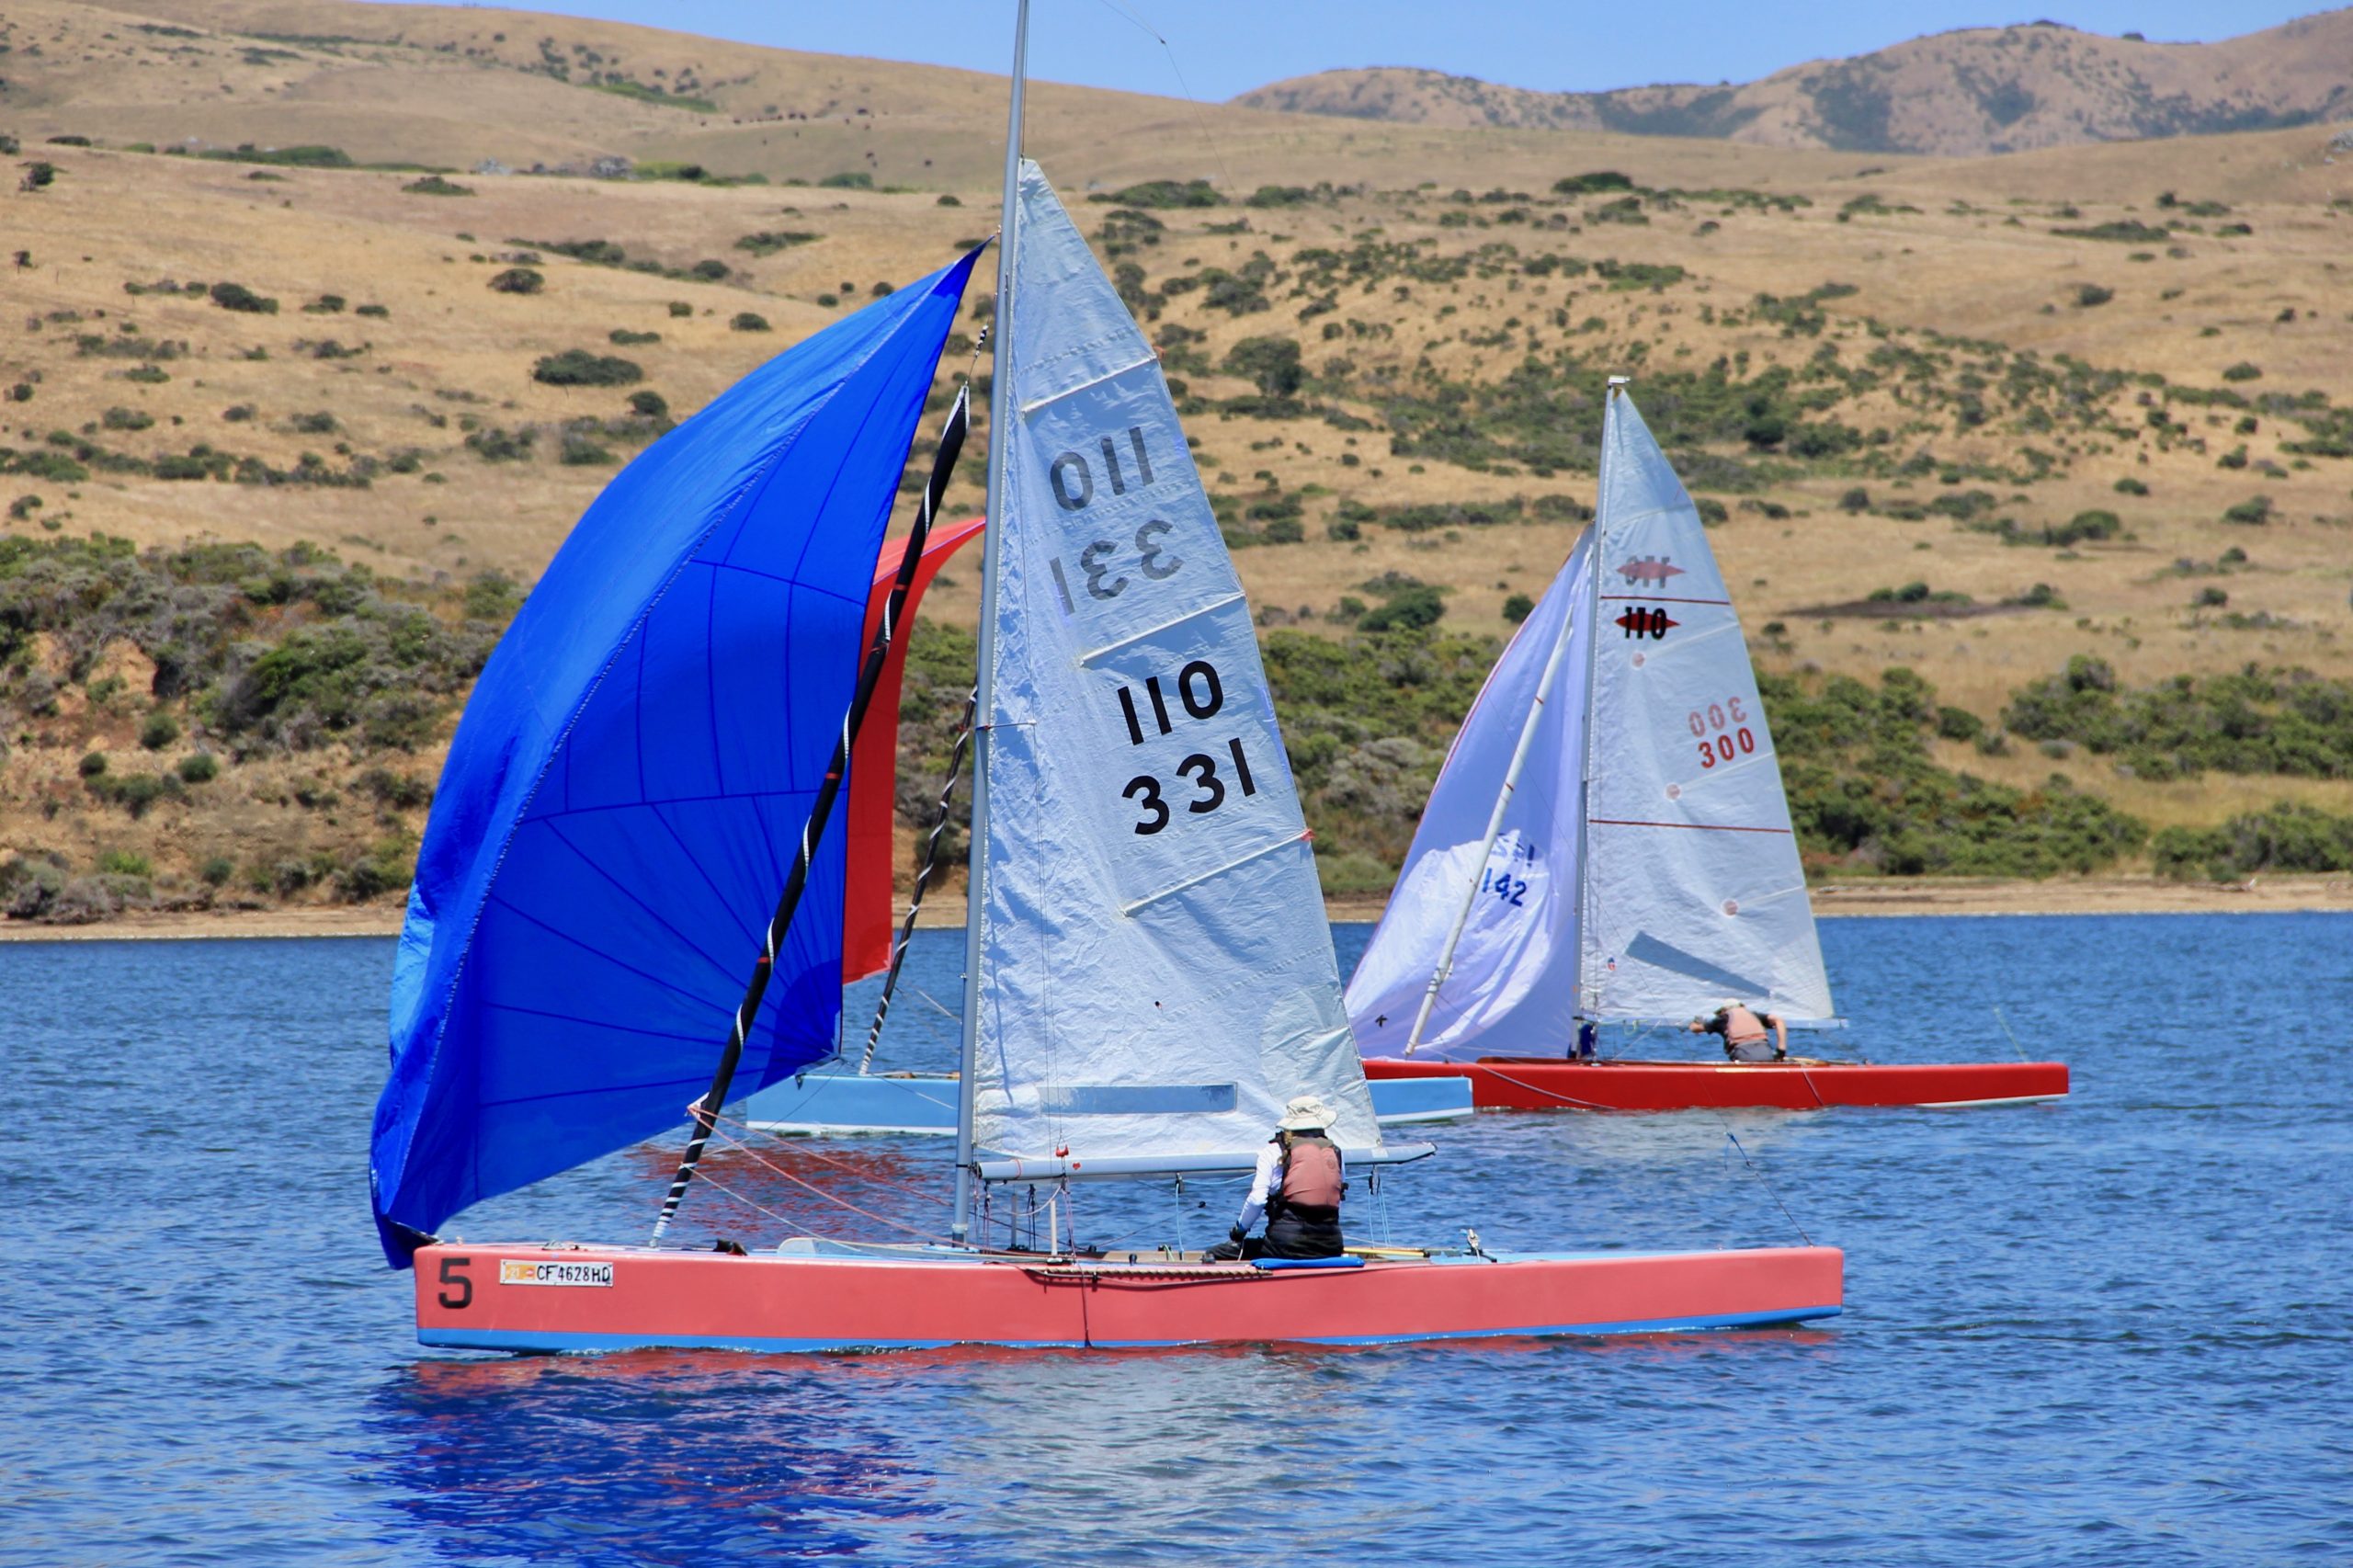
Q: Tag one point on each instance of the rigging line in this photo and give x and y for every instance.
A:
(794, 1226)
(923, 879)
(728, 1141)
(2012, 1033)
(936, 1002)
(1767, 1185)
(826, 1159)
(1539, 1089)
(1217, 148)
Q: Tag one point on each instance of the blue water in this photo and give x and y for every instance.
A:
(2116, 1331)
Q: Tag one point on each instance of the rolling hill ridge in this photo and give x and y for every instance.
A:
(1977, 91)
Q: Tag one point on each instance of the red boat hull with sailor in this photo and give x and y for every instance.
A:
(1548, 1082)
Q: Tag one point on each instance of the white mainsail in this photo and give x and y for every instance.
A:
(1156, 976)
(1693, 890)
(1513, 982)
(1645, 868)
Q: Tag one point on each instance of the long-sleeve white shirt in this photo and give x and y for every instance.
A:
(1269, 1179)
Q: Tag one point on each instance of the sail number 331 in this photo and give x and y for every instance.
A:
(1201, 694)
(1722, 729)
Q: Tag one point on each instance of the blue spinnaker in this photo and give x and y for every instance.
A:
(633, 771)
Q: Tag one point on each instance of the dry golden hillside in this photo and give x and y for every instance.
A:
(1923, 372)
(1971, 91)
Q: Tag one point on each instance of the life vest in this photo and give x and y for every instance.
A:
(1312, 1174)
(1743, 1027)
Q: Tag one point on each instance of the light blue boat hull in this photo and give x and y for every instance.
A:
(835, 1101)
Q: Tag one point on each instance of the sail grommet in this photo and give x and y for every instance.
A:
(1638, 661)
(1674, 791)
(1732, 906)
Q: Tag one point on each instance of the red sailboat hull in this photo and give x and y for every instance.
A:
(535, 1296)
(1548, 1082)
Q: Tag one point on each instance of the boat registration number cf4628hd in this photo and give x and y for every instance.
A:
(533, 1271)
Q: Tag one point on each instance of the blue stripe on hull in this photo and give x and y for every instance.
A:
(500, 1339)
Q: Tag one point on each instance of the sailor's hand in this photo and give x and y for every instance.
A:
(1237, 1235)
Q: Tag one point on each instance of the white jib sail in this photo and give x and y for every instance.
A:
(1156, 975)
(1693, 890)
(1513, 985)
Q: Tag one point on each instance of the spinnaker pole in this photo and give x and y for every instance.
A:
(1570, 624)
(812, 832)
(1001, 418)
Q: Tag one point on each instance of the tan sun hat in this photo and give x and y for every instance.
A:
(1305, 1114)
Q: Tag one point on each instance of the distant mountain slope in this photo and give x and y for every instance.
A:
(1958, 94)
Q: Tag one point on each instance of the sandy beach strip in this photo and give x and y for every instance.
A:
(1875, 896)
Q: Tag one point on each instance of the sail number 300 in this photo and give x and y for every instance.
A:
(1722, 731)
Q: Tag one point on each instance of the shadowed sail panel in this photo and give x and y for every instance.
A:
(1157, 976)
(624, 794)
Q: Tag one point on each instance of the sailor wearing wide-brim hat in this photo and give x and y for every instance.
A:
(1298, 1186)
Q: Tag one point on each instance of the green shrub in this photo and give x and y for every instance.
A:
(93, 764)
(2253, 511)
(623, 337)
(1166, 193)
(1410, 609)
(649, 404)
(579, 367)
(2090, 294)
(434, 185)
(748, 320)
(854, 179)
(496, 445)
(160, 731)
(1856, 500)
(2286, 837)
(199, 768)
(579, 450)
(681, 307)
(518, 280)
(2242, 372)
(1269, 363)
(237, 297)
(768, 242)
(1518, 607)
(124, 863)
(216, 870)
(2127, 485)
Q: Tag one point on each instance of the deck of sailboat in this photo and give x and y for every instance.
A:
(831, 1296)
